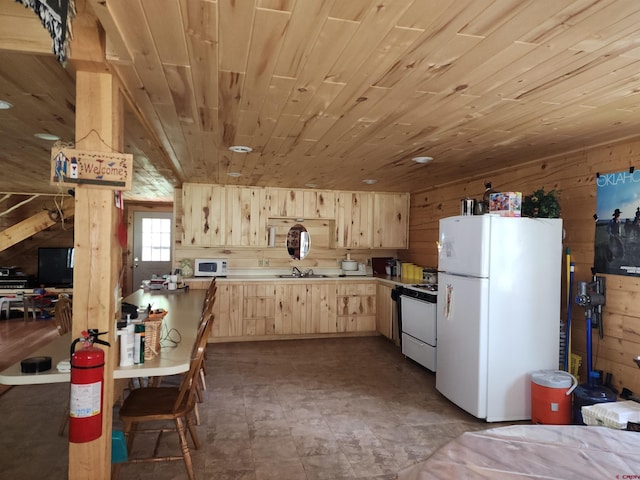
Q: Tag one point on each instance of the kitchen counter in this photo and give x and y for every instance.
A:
(384, 279)
(183, 316)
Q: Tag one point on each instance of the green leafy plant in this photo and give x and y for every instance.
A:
(542, 205)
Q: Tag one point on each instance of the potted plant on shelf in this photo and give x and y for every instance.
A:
(541, 204)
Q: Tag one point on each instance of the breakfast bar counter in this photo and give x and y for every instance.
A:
(178, 334)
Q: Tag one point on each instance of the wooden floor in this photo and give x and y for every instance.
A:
(18, 338)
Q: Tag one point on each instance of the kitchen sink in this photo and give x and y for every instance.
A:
(311, 275)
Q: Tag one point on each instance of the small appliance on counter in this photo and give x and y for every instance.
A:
(360, 269)
(380, 265)
(210, 267)
(352, 267)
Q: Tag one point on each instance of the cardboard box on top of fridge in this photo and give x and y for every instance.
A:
(506, 204)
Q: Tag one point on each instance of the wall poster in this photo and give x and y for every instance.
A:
(617, 239)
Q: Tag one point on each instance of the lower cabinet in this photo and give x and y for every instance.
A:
(273, 309)
(228, 311)
(356, 307)
(291, 309)
(259, 310)
(385, 307)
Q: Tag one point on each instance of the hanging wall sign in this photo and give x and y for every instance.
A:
(617, 239)
(71, 167)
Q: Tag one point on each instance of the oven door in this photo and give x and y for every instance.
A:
(419, 319)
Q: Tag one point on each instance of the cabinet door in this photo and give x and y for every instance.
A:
(390, 220)
(384, 310)
(356, 307)
(291, 308)
(300, 203)
(203, 215)
(286, 202)
(259, 305)
(319, 204)
(228, 311)
(354, 216)
(246, 216)
(321, 308)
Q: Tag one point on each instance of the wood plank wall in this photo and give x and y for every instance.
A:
(574, 175)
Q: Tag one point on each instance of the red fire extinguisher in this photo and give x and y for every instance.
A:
(87, 373)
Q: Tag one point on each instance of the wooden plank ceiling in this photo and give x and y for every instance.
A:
(333, 92)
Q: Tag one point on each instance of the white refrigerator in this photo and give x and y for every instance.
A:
(498, 311)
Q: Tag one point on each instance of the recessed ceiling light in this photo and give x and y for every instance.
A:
(46, 136)
(311, 185)
(5, 105)
(369, 181)
(234, 174)
(422, 159)
(240, 149)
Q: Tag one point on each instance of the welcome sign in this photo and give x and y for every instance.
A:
(71, 167)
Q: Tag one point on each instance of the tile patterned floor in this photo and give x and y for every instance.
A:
(350, 408)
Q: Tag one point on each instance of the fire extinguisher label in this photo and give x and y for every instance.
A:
(85, 400)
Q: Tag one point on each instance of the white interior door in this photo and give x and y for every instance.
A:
(151, 245)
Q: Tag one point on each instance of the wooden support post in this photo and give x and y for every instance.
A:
(98, 256)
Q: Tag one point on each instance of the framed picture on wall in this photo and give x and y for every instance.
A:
(617, 238)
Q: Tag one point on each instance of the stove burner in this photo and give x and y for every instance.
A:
(431, 287)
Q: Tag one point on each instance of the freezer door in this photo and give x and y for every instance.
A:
(463, 245)
(462, 325)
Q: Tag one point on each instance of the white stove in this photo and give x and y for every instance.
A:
(418, 323)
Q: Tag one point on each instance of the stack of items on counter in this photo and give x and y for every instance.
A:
(139, 337)
(165, 282)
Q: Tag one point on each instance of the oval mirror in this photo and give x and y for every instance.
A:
(298, 242)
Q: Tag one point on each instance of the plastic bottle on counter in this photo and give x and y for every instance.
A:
(138, 352)
(127, 341)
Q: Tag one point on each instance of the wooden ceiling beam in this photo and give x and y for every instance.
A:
(34, 224)
(22, 31)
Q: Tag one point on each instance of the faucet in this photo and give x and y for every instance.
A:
(296, 272)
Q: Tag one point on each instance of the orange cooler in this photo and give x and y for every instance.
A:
(551, 397)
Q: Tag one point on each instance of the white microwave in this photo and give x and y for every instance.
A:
(210, 267)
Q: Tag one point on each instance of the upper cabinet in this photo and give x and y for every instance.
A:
(292, 203)
(203, 217)
(246, 216)
(390, 220)
(215, 215)
(354, 219)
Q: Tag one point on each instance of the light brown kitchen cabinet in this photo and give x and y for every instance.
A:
(215, 215)
(203, 215)
(228, 311)
(354, 219)
(301, 203)
(356, 307)
(246, 216)
(291, 308)
(390, 220)
(259, 309)
(321, 311)
(263, 310)
(385, 308)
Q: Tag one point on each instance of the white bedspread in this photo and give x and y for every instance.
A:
(534, 451)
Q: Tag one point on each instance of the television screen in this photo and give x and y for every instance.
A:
(55, 266)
